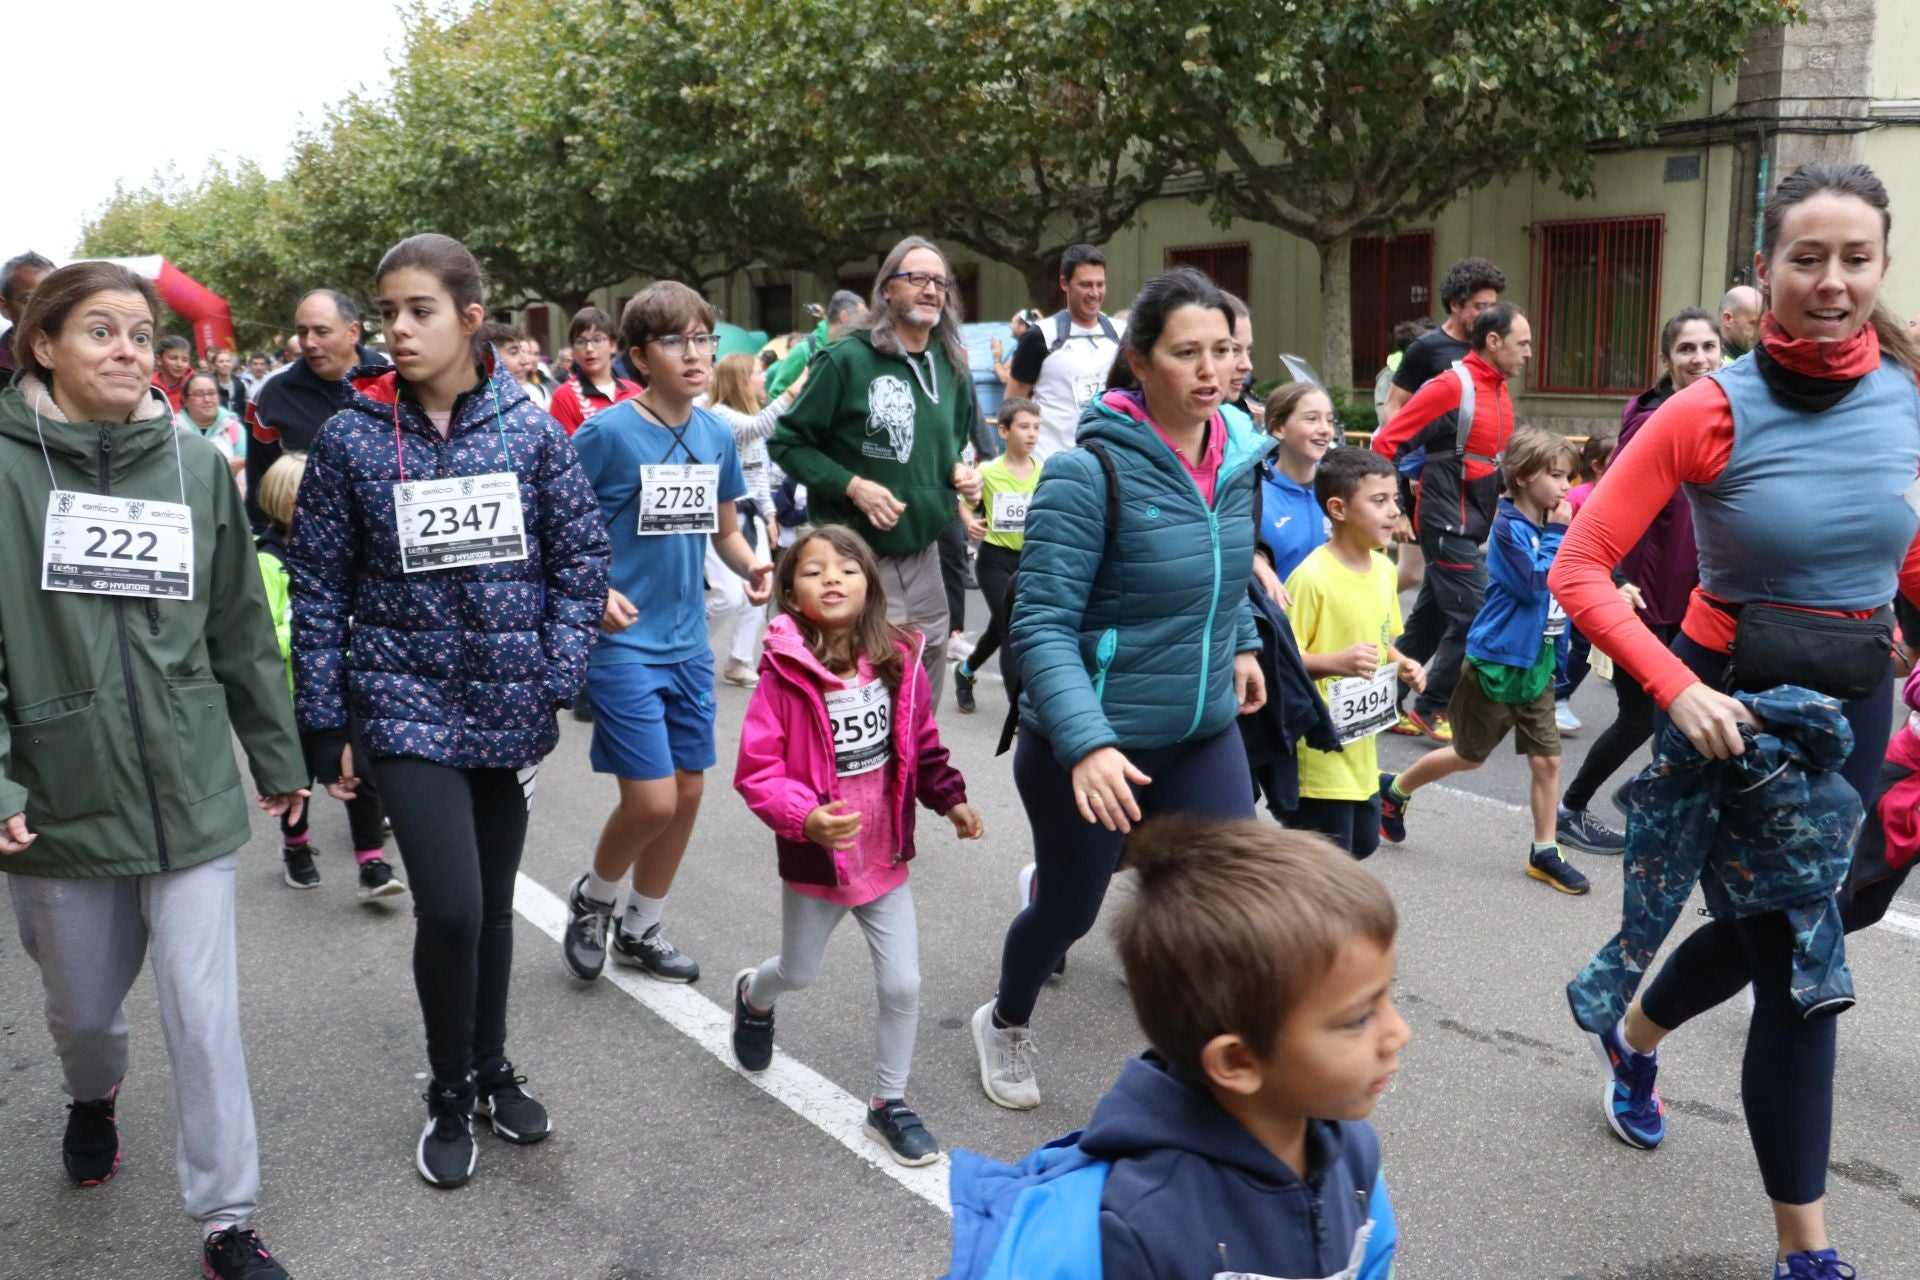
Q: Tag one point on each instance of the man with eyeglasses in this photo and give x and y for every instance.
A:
(591, 385)
(295, 403)
(877, 433)
(1063, 362)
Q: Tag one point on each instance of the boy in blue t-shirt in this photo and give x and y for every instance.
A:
(1260, 962)
(667, 475)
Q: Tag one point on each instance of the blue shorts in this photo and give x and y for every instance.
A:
(649, 720)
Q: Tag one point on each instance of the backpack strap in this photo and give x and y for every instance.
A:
(1112, 526)
(1063, 329)
(1463, 416)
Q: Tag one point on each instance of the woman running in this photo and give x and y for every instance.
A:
(1136, 641)
(1826, 406)
(449, 566)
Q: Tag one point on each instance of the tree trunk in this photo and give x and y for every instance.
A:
(1336, 310)
(1042, 276)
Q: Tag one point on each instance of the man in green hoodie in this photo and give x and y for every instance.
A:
(877, 434)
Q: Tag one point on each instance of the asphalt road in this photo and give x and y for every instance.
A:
(667, 1163)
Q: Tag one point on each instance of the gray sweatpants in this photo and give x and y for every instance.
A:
(917, 598)
(893, 936)
(90, 936)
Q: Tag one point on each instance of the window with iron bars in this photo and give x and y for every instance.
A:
(1596, 314)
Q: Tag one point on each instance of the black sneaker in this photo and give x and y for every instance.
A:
(237, 1254)
(507, 1107)
(963, 690)
(91, 1147)
(584, 945)
(300, 871)
(654, 955)
(378, 881)
(752, 1032)
(1579, 829)
(1551, 868)
(446, 1153)
(895, 1126)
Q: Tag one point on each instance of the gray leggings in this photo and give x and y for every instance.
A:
(893, 936)
(90, 936)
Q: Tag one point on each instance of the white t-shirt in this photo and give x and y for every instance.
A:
(1071, 377)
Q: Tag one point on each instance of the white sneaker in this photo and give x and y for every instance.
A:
(1006, 1061)
(1026, 884)
(960, 646)
(740, 673)
(1563, 716)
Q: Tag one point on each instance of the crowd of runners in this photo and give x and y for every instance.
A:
(388, 568)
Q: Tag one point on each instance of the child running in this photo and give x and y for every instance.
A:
(1006, 486)
(1510, 655)
(668, 475)
(838, 743)
(1260, 963)
(366, 819)
(1299, 416)
(1346, 611)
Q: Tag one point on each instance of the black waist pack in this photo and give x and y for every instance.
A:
(1844, 658)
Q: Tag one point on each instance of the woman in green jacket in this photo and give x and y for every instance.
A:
(134, 641)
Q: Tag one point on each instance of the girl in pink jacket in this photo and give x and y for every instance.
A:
(839, 741)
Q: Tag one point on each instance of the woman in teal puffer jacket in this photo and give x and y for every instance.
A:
(1137, 650)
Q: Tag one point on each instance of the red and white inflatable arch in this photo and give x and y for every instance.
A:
(198, 305)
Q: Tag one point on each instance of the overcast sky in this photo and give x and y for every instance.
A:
(108, 90)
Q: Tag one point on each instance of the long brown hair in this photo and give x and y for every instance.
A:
(1862, 183)
(733, 383)
(873, 637)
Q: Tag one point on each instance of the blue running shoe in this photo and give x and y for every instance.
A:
(1814, 1264)
(1634, 1110)
(1393, 811)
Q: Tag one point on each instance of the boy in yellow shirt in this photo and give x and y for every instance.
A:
(1346, 611)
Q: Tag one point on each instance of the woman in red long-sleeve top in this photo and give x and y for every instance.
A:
(1795, 463)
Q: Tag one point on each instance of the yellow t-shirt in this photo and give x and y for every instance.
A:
(1335, 608)
(995, 478)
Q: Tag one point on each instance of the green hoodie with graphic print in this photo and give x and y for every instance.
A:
(871, 415)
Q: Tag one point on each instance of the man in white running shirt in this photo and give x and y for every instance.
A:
(1062, 362)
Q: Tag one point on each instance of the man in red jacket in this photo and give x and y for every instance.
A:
(1459, 490)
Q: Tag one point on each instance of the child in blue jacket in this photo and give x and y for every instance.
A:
(1240, 1142)
(1508, 680)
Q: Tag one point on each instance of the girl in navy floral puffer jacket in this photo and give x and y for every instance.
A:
(448, 633)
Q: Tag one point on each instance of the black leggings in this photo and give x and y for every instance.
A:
(1786, 1078)
(366, 818)
(460, 832)
(1630, 730)
(1077, 858)
(994, 569)
(1354, 825)
(953, 572)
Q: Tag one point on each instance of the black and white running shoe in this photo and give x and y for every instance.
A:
(510, 1109)
(446, 1154)
(654, 955)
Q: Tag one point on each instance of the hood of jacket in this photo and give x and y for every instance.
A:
(1150, 1109)
(1187, 1177)
(1641, 407)
(1120, 418)
(377, 388)
(29, 416)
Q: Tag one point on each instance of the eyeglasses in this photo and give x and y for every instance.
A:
(203, 395)
(921, 279)
(676, 344)
(594, 343)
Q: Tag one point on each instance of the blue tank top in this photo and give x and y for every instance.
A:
(1811, 509)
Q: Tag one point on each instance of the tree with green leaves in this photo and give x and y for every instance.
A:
(994, 125)
(1332, 119)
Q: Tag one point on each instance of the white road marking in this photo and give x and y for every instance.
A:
(1896, 920)
(802, 1090)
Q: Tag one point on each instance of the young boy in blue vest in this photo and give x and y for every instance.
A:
(1507, 682)
(1259, 961)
